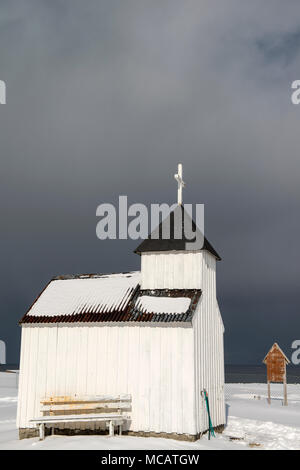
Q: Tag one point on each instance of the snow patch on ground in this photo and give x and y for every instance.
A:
(263, 434)
(5, 399)
(251, 424)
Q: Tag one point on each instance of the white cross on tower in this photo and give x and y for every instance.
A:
(181, 184)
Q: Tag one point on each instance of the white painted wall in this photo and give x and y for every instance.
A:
(153, 363)
(209, 350)
(2, 352)
(172, 270)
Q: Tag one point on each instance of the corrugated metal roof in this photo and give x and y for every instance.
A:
(110, 298)
(159, 302)
(81, 297)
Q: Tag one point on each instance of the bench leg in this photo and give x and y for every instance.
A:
(42, 431)
(120, 430)
(111, 428)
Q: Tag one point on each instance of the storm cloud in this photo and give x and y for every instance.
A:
(104, 98)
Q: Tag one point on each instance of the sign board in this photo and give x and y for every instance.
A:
(276, 362)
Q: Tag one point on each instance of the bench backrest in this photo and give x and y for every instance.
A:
(61, 405)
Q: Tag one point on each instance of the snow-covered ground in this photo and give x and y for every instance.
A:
(251, 424)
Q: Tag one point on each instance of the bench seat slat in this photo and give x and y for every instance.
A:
(79, 417)
(87, 399)
(85, 406)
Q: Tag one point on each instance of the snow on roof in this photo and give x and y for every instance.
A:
(110, 298)
(174, 305)
(82, 294)
(164, 305)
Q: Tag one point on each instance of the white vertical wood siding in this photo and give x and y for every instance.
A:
(152, 363)
(171, 270)
(209, 350)
(2, 352)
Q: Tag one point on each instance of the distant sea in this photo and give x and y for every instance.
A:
(257, 374)
(233, 373)
(4, 367)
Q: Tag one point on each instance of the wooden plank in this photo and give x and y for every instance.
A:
(285, 402)
(42, 431)
(31, 367)
(111, 428)
(276, 362)
(76, 417)
(86, 406)
(86, 399)
(23, 378)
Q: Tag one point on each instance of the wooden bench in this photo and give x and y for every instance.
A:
(63, 409)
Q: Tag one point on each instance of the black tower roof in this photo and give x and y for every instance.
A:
(172, 243)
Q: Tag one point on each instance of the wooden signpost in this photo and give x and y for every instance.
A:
(276, 362)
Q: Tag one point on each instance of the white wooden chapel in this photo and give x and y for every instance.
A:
(154, 335)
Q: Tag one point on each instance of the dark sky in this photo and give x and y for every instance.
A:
(105, 98)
